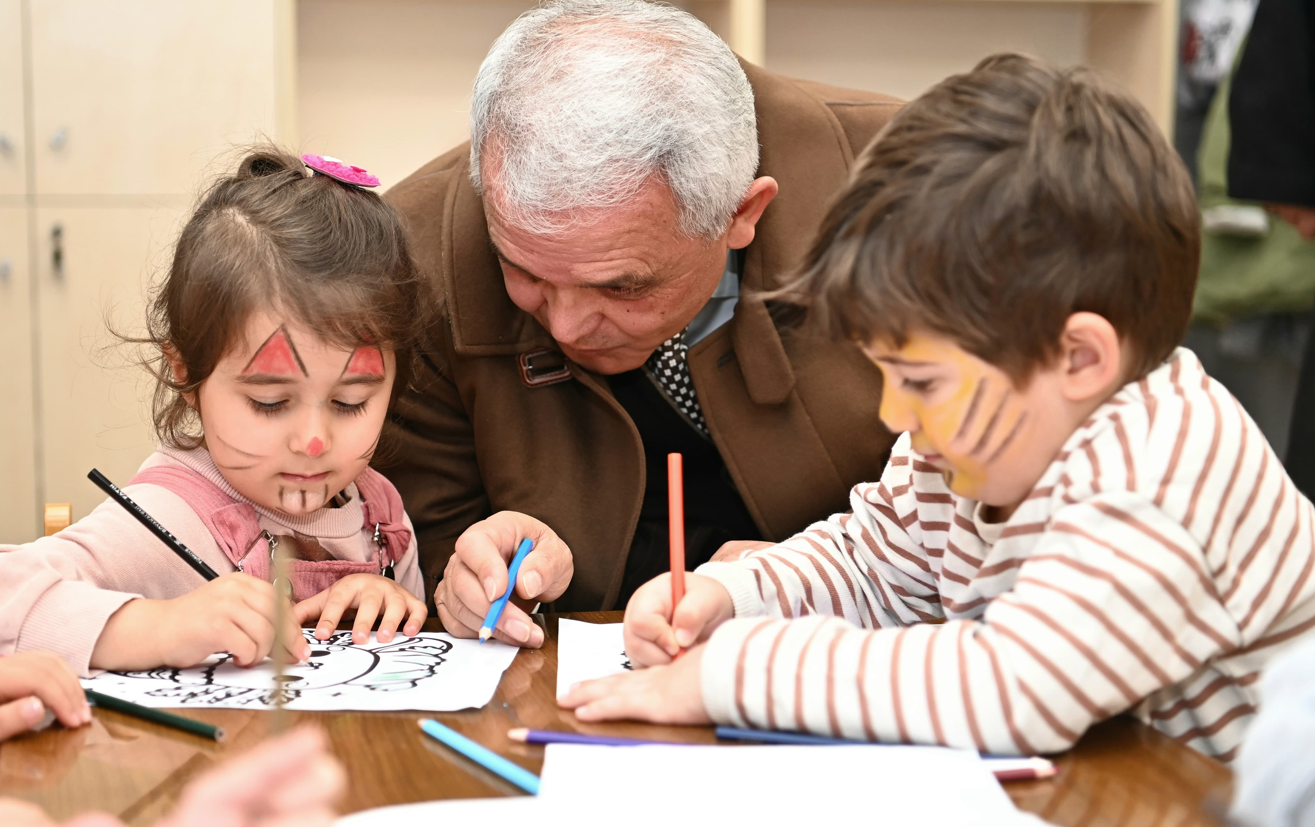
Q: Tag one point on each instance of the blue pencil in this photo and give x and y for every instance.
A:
(495, 611)
(486, 758)
(769, 736)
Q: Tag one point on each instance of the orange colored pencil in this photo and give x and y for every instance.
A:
(676, 526)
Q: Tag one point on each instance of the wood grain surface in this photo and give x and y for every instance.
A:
(1121, 773)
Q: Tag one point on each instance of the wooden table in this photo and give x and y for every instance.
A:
(1121, 773)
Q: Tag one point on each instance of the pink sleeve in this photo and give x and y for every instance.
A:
(407, 570)
(58, 592)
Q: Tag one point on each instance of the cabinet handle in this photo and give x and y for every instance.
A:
(57, 250)
(6, 267)
(60, 139)
(6, 145)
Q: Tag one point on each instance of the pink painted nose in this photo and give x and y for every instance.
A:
(315, 447)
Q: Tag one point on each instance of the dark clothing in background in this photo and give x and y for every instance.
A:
(1272, 159)
(1272, 107)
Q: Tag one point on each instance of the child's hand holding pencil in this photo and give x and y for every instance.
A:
(654, 635)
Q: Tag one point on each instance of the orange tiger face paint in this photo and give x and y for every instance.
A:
(964, 416)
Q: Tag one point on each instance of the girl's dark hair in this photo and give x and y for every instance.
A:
(272, 236)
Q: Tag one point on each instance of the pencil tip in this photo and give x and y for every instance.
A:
(484, 634)
(519, 734)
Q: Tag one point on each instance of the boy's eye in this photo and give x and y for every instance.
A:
(267, 407)
(917, 385)
(350, 408)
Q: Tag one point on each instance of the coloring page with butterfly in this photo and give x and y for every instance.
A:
(430, 672)
(586, 651)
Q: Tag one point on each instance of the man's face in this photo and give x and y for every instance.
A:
(291, 419)
(610, 292)
(990, 439)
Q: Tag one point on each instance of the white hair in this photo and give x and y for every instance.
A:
(584, 101)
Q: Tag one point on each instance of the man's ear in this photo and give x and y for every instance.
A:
(745, 221)
(1091, 357)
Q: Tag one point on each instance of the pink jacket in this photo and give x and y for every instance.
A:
(58, 592)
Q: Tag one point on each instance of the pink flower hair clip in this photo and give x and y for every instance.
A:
(339, 171)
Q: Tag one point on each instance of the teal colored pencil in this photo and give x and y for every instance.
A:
(155, 715)
(486, 758)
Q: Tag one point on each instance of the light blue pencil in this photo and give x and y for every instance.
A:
(486, 758)
(495, 611)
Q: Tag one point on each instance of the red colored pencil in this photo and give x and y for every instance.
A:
(676, 526)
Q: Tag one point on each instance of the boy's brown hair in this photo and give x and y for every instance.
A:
(272, 236)
(999, 203)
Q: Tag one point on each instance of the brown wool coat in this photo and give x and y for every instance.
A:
(794, 416)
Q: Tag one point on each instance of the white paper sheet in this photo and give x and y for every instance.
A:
(430, 672)
(782, 784)
(588, 650)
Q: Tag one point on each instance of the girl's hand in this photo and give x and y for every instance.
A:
(367, 594)
(669, 694)
(232, 614)
(653, 637)
(30, 683)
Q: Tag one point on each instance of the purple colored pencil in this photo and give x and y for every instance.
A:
(543, 736)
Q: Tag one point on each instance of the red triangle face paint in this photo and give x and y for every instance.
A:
(365, 361)
(277, 357)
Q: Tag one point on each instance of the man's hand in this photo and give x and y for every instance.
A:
(31, 683)
(476, 575)
(367, 594)
(1303, 218)
(653, 637)
(232, 614)
(669, 694)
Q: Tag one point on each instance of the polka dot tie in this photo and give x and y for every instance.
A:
(669, 365)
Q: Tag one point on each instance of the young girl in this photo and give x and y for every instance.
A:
(285, 328)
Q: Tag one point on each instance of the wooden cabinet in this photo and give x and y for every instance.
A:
(12, 140)
(18, 444)
(94, 396)
(118, 112)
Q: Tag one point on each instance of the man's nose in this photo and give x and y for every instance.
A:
(571, 316)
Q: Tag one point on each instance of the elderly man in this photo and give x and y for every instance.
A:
(629, 191)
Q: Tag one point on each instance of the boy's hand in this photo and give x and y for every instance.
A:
(652, 637)
(232, 614)
(30, 683)
(367, 594)
(288, 781)
(669, 694)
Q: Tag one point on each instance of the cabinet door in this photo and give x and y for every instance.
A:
(141, 97)
(95, 400)
(19, 521)
(12, 174)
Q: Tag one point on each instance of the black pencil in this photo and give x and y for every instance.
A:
(155, 715)
(147, 520)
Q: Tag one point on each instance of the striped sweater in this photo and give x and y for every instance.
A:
(1159, 563)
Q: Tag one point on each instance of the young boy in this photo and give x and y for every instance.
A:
(1077, 521)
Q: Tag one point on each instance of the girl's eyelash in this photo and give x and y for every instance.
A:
(917, 385)
(267, 408)
(356, 409)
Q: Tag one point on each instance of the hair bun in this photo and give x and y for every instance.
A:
(266, 162)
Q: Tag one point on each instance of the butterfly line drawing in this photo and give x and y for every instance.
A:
(333, 663)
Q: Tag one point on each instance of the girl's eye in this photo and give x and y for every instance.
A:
(917, 385)
(351, 409)
(268, 408)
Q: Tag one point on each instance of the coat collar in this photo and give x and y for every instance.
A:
(802, 146)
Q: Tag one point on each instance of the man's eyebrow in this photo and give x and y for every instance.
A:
(626, 281)
(508, 261)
